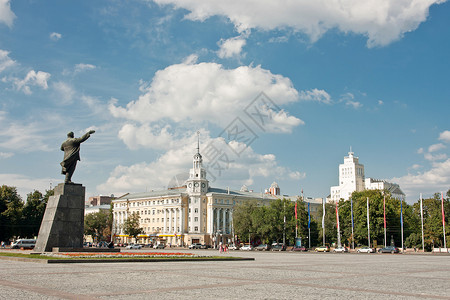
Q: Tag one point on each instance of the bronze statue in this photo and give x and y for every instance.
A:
(71, 148)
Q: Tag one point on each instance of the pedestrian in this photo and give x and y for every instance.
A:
(3, 244)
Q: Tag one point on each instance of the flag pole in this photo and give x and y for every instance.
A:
(309, 228)
(351, 207)
(421, 217)
(384, 217)
(443, 219)
(401, 219)
(323, 219)
(337, 225)
(368, 223)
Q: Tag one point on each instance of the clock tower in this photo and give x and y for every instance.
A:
(197, 187)
(197, 184)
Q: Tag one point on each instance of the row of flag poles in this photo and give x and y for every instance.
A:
(368, 222)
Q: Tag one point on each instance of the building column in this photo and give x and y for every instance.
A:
(210, 220)
(217, 219)
(165, 220)
(176, 220)
(224, 221)
(170, 220)
(182, 219)
(230, 221)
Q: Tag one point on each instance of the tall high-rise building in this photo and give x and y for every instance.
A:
(351, 178)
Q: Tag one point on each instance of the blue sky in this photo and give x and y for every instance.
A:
(147, 75)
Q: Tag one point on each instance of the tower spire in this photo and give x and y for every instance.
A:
(198, 141)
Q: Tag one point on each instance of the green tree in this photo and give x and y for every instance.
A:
(132, 227)
(95, 225)
(330, 224)
(11, 205)
(242, 220)
(33, 212)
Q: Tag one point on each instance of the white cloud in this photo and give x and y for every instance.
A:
(445, 136)
(5, 61)
(55, 36)
(381, 21)
(26, 185)
(231, 171)
(436, 147)
(65, 92)
(6, 154)
(6, 15)
(354, 104)
(198, 92)
(23, 138)
(431, 157)
(32, 78)
(231, 47)
(83, 67)
(420, 151)
(434, 180)
(380, 102)
(315, 95)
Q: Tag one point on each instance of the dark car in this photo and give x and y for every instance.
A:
(389, 249)
(262, 247)
(301, 248)
(278, 247)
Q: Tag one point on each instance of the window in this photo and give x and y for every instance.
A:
(196, 210)
(196, 228)
(196, 219)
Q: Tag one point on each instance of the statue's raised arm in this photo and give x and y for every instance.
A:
(71, 148)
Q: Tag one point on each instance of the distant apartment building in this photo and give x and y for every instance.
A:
(352, 178)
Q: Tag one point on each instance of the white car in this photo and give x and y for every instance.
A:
(366, 250)
(134, 246)
(340, 250)
(247, 248)
(233, 247)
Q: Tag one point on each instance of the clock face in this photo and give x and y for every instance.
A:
(190, 184)
(203, 185)
(196, 184)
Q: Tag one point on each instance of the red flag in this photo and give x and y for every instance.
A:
(337, 217)
(443, 215)
(296, 210)
(384, 211)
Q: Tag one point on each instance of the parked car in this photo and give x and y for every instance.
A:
(366, 250)
(159, 246)
(302, 248)
(195, 246)
(278, 247)
(389, 249)
(23, 243)
(247, 248)
(233, 247)
(322, 249)
(262, 247)
(340, 250)
(134, 246)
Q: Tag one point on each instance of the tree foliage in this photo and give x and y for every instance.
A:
(97, 225)
(131, 226)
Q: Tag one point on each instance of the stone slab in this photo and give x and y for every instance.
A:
(63, 222)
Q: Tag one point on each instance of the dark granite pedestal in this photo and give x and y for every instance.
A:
(63, 222)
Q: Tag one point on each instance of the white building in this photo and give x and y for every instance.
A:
(351, 179)
(192, 213)
(392, 188)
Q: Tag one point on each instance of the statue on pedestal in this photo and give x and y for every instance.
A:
(71, 148)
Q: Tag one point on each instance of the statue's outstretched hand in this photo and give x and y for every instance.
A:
(91, 131)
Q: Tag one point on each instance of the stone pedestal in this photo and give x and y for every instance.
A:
(63, 222)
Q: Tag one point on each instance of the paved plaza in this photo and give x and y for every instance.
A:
(272, 275)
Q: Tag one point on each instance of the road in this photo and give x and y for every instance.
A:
(272, 275)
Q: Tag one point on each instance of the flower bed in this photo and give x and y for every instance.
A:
(121, 255)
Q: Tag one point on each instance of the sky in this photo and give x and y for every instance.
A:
(273, 91)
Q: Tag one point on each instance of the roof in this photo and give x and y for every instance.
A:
(152, 194)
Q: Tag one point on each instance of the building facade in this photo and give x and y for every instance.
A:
(192, 213)
(352, 178)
